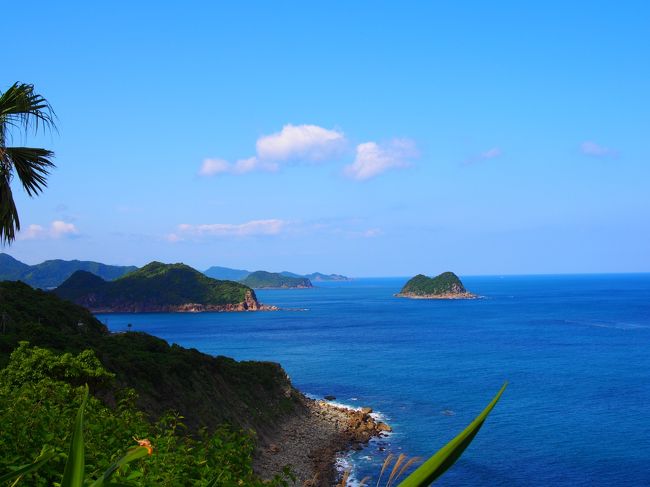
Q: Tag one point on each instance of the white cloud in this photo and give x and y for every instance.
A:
(590, 148)
(57, 229)
(373, 159)
(307, 142)
(251, 228)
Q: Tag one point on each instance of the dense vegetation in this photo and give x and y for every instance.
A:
(154, 285)
(445, 283)
(51, 273)
(40, 392)
(263, 279)
(207, 390)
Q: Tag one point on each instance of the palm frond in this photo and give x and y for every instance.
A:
(21, 107)
(32, 166)
(9, 221)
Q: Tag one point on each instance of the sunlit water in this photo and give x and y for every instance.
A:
(575, 350)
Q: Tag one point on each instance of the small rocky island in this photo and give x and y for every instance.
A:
(161, 288)
(445, 286)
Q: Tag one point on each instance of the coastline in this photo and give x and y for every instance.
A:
(311, 439)
(437, 296)
(183, 308)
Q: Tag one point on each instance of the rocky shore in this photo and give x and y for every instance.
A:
(250, 303)
(464, 295)
(310, 440)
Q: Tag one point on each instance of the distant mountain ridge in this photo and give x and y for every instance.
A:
(218, 272)
(52, 273)
(158, 287)
(225, 273)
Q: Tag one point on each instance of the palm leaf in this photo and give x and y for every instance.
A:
(438, 464)
(73, 474)
(32, 166)
(9, 221)
(44, 457)
(20, 106)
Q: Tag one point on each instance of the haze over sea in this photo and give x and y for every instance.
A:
(573, 348)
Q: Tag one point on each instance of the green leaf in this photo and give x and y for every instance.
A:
(131, 455)
(44, 457)
(438, 464)
(73, 475)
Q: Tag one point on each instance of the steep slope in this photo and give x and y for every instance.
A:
(159, 287)
(206, 390)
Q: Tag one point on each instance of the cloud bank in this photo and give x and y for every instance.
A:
(247, 229)
(57, 229)
(296, 144)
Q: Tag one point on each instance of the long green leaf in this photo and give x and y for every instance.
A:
(131, 455)
(73, 475)
(438, 464)
(44, 457)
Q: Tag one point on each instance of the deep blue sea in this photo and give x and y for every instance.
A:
(575, 350)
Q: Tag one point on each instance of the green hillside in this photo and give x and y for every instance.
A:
(51, 273)
(263, 279)
(41, 388)
(206, 390)
(155, 287)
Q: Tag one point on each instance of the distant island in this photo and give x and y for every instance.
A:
(51, 273)
(217, 272)
(158, 287)
(266, 280)
(444, 286)
(317, 276)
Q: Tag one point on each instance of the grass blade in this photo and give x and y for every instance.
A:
(73, 475)
(44, 457)
(438, 464)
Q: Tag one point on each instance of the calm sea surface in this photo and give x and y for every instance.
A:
(575, 350)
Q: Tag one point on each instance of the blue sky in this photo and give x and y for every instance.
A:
(366, 138)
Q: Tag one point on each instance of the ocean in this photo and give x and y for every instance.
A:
(574, 349)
